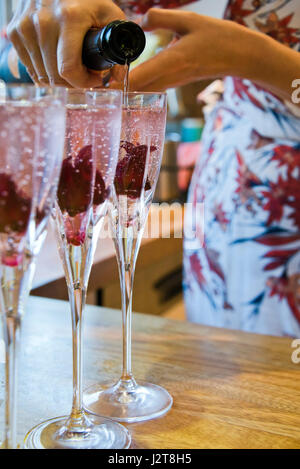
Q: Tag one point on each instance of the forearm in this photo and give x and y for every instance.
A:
(267, 62)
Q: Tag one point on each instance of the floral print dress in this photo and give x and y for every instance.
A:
(242, 265)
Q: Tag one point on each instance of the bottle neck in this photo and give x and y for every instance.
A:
(120, 42)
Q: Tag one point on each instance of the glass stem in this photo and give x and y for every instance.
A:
(127, 250)
(15, 285)
(127, 285)
(11, 326)
(77, 262)
(77, 296)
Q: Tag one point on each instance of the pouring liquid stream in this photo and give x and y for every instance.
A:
(126, 85)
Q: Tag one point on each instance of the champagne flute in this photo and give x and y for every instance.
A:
(93, 124)
(142, 139)
(32, 127)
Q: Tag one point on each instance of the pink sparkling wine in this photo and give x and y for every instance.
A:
(26, 143)
(141, 146)
(87, 169)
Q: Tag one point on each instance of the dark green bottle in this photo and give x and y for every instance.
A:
(120, 42)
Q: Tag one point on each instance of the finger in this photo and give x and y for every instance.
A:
(116, 85)
(117, 78)
(48, 39)
(177, 21)
(29, 38)
(118, 73)
(69, 59)
(23, 56)
(50, 62)
(165, 63)
(69, 51)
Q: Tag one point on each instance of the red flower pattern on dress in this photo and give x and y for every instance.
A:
(282, 193)
(246, 180)
(279, 257)
(282, 288)
(220, 216)
(212, 257)
(197, 269)
(279, 29)
(287, 156)
(276, 199)
(277, 239)
(236, 12)
(241, 89)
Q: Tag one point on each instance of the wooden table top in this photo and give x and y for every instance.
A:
(231, 389)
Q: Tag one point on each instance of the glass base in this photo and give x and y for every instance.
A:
(100, 434)
(128, 401)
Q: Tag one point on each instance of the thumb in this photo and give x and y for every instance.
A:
(174, 20)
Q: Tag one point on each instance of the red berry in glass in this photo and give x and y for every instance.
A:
(82, 185)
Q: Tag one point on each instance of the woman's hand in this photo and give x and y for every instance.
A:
(203, 49)
(48, 36)
(211, 48)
